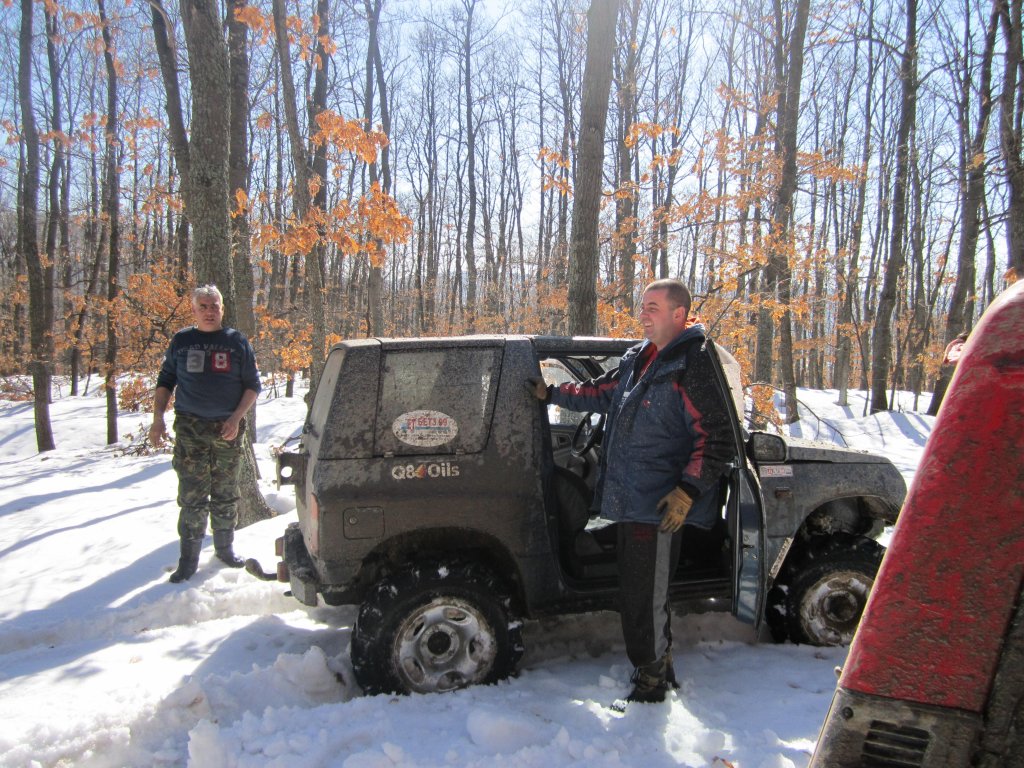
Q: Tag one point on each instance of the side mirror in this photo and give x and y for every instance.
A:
(767, 448)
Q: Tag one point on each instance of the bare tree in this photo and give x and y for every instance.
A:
(238, 167)
(881, 338)
(972, 168)
(470, 128)
(625, 78)
(40, 305)
(588, 184)
(204, 161)
(314, 294)
(57, 227)
(207, 198)
(375, 77)
(705, 95)
(163, 36)
(778, 275)
(112, 211)
(1011, 131)
(252, 506)
(848, 276)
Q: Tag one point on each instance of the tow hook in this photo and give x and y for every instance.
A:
(252, 566)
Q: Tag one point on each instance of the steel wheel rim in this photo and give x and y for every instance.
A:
(444, 645)
(832, 607)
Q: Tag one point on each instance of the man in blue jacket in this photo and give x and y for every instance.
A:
(212, 371)
(668, 439)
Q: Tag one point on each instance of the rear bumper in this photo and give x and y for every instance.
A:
(298, 568)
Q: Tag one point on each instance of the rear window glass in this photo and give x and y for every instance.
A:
(437, 402)
(325, 391)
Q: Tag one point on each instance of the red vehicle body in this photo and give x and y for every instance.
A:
(935, 674)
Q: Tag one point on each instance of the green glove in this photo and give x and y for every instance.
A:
(674, 507)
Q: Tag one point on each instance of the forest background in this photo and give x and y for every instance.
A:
(841, 184)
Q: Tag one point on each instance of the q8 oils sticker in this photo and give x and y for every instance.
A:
(425, 429)
(434, 470)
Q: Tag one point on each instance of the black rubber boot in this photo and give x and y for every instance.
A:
(223, 545)
(650, 684)
(189, 560)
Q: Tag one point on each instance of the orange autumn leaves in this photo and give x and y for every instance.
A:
(367, 224)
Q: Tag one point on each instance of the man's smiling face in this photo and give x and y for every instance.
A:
(661, 319)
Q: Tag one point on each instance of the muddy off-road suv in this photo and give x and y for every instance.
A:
(439, 495)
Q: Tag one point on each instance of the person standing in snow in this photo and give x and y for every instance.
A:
(949, 360)
(667, 440)
(212, 371)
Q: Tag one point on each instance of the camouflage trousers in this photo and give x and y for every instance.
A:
(207, 468)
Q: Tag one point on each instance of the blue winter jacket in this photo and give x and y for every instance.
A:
(665, 428)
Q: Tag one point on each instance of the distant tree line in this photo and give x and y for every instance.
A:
(841, 184)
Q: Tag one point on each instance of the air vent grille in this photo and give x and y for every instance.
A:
(894, 746)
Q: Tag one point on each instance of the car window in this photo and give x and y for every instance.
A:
(571, 369)
(555, 372)
(437, 401)
(320, 411)
(609, 363)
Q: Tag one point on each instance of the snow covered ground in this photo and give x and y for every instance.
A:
(103, 662)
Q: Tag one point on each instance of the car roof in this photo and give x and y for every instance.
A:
(582, 344)
(548, 345)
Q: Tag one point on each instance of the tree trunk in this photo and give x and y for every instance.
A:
(850, 295)
(112, 210)
(207, 201)
(625, 204)
(375, 75)
(252, 507)
(782, 237)
(467, 79)
(41, 335)
(1010, 134)
(588, 183)
(57, 221)
(204, 167)
(314, 293)
(881, 338)
(972, 171)
(238, 169)
(318, 151)
(168, 57)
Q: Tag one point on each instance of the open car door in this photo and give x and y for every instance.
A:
(744, 512)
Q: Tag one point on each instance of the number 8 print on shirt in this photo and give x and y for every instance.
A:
(220, 362)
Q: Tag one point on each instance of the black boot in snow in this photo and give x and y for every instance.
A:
(189, 560)
(223, 545)
(650, 685)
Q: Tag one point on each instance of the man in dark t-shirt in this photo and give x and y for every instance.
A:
(212, 372)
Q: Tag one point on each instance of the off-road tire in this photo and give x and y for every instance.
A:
(435, 627)
(821, 598)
